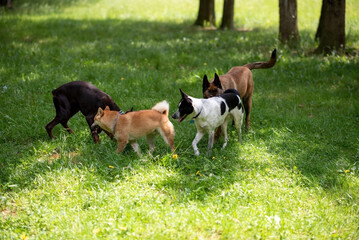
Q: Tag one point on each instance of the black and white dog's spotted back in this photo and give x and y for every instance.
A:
(210, 113)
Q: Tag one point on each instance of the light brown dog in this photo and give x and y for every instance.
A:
(239, 78)
(129, 127)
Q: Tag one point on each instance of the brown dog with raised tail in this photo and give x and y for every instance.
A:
(129, 127)
(239, 78)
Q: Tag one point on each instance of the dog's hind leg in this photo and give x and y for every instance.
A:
(68, 110)
(64, 124)
(238, 120)
(136, 147)
(210, 141)
(150, 139)
(224, 129)
(57, 118)
(217, 134)
(198, 137)
(64, 112)
(248, 107)
(167, 132)
(50, 126)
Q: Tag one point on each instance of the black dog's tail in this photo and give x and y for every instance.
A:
(231, 90)
(268, 64)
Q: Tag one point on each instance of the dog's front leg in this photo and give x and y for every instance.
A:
(121, 145)
(94, 128)
(198, 137)
(94, 133)
(210, 141)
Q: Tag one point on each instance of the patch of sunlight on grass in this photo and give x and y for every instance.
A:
(136, 10)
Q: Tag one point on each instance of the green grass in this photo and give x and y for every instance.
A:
(295, 175)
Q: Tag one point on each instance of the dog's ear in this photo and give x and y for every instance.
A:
(205, 84)
(185, 96)
(100, 112)
(216, 81)
(107, 108)
(131, 110)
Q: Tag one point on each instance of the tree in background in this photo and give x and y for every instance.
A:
(6, 3)
(228, 15)
(331, 28)
(288, 22)
(206, 13)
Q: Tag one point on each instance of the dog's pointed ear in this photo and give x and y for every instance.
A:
(205, 84)
(100, 112)
(216, 81)
(131, 110)
(185, 96)
(107, 108)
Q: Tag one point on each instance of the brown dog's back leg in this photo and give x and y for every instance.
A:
(150, 139)
(217, 134)
(167, 132)
(247, 107)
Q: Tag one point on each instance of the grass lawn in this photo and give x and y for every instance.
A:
(295, 175)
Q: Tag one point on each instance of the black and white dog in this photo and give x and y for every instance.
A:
(210, 113)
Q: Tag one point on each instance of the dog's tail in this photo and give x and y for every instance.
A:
(231, 90)
(268, 64)
(163, 107)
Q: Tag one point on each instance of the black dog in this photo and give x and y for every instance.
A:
(79, 96)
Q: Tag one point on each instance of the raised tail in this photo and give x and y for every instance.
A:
(269, 64)
(163, 107)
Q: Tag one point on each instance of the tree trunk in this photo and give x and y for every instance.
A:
(288, 22)
(331, 28)
(6, 3)
(228, 14)
(319, 29)
(206, 13)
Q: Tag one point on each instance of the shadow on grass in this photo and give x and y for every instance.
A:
(155, 59)
(42, 6)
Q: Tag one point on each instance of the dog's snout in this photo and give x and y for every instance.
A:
(175, 115)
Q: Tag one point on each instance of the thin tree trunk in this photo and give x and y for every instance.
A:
(206, 13)
(228, 15)
(288, 22)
